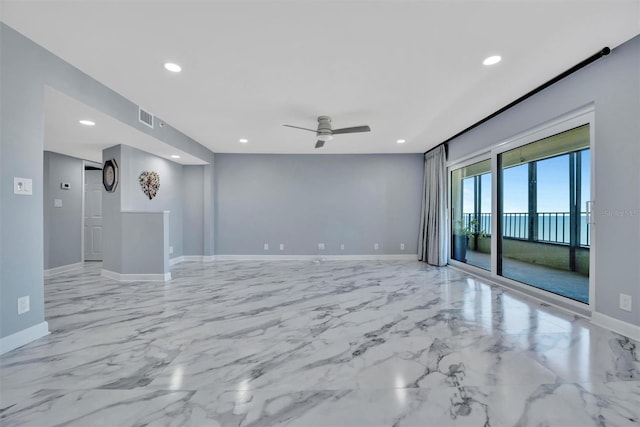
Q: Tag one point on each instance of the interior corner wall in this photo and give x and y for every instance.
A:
(26, 68)
(111, 218)
(209, 210)
(168, 198)
(303, 200)
(612, 84)
(62, 225)
(193, 210)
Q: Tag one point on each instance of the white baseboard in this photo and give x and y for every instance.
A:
(23, 337)
(176, 260)
(618, 326)
(192, 258)
(397, 257)
(136, 277)
(63, 269)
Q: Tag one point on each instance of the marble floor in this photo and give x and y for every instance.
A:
(298, 343)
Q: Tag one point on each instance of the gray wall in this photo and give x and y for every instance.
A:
(111, 218)
(21, 133)
(303, 200)
(145, 246)
(26, 69)
(613, 84)
(209, 205)
(193, 209)
(62, 226)
(169, 197)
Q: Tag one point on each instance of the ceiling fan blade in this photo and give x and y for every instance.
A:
(298, 127)
(319, 144)
(352, 130)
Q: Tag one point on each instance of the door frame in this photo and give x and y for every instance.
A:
(85, 163)
(576, 118)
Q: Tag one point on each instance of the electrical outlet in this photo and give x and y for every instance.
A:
(23, 304)
(170, 250)
(625, 302)
(376, 246)
(402, 246)
(342, 247)
(266, 247)
(321, 246)
(23, 186)
(282, 246)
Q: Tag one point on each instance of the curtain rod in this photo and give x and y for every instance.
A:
(603, 52)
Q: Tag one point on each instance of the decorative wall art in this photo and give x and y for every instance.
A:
(110, 175)
(150, 183)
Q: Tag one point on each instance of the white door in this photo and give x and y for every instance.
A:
(93, 215)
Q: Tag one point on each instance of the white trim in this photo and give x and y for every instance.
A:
(146, 212)
(398, 257)
(192, 258)
(480, 156)
(83, 190)
(136, 277)
(23, 337)
(63, 269)
(578, 117)
(540, 128)
(623, 328)
(176, 260)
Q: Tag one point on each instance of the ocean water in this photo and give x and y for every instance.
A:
(552, 227)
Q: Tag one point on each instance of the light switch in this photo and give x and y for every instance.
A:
(57, 203)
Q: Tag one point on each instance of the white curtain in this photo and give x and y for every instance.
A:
(433, 244)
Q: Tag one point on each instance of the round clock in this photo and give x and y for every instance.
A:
(110, 175)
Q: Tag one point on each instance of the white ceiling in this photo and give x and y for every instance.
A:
(409, 69)
(64, 134)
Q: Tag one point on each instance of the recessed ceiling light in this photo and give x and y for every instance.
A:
(492, 60)
(243, 140)
(175, 156)
(174, 68)
(86, 122)
(401, 141)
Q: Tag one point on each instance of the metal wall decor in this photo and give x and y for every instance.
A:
(150, 183)
(110, 175)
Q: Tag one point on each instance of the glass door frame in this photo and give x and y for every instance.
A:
(467, 161)
(579, 117)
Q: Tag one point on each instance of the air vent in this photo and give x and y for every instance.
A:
(145, 117)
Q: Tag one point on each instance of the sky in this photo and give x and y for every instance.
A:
(553, 187)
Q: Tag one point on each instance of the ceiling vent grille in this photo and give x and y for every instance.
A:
(145, 117)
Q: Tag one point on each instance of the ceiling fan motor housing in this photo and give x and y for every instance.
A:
(324, 128)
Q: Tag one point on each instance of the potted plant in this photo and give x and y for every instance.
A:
(461, 234)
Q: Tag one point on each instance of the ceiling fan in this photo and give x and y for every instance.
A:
(325, 133)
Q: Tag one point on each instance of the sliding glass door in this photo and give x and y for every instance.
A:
(544, 230)
(521, 212)
(471, 214)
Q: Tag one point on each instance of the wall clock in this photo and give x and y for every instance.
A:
(110, 175)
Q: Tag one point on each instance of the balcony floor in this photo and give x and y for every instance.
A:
(561, 282)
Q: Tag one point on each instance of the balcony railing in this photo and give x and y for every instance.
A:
(553, 227)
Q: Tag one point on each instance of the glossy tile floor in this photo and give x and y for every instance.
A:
(313, 344)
